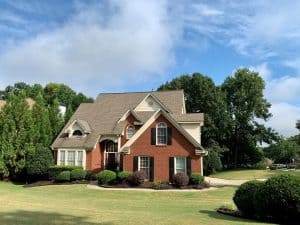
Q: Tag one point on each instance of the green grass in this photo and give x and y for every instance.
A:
(246, 174)
(75, 204)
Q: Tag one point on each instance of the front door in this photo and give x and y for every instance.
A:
(111, 155)
(111, 161)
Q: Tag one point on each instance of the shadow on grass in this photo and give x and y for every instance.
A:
(22, 217)
(219, 216)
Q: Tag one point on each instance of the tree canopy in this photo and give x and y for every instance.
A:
(232, 111)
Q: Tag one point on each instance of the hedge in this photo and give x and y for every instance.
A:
(196, 178)
(106, 177)
(77, 174)
(63, 176)
(55, 170)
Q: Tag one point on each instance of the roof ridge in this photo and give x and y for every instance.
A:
(136, 92)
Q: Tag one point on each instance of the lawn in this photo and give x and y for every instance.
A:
(76, 204)
(244, 174)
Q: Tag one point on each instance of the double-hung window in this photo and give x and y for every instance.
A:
(161, 133)
(180, 165)
(62, 157)
(71, 158)
(144, 165)
(80, 158)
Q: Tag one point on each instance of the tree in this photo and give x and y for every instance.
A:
(15, 133)
(56, 118)
(246, 104)
(38, 163)
(283, 151)
(202, 95)
(42, 126)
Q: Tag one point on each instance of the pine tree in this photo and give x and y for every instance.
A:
(15, 140)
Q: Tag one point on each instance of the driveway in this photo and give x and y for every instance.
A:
(217, 182)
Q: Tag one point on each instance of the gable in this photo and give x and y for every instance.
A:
(148, 104)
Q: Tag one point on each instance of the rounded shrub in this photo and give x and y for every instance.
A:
(180, 180)
(196, 178)
(63, 176)
(137, 178)
(123, 176)
(244, 197)
(106, 177)
(55, 170)
(279, 199)
(77, 174)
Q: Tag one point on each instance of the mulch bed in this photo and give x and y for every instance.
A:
(50, 182)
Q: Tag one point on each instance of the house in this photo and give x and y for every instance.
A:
(148, 131)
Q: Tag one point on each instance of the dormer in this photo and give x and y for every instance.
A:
(78, 128)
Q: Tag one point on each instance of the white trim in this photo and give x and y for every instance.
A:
(126, 114)
(155, 99)
(185, 164)
(201, 161)
(76, 156)
(138, 133)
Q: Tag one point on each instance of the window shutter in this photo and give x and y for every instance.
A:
(171, 168)
(151, 169)
(188, 166)
(135, 163)
(153, 136)
(169, 135)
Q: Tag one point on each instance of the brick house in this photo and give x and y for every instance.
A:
(148, 131)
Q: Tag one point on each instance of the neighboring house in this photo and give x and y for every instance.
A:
(148, 131)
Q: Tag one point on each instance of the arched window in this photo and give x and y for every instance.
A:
(161, 134)
(130, 131)
(77, 133)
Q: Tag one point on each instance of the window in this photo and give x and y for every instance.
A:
(144, 165)
(62, 157)
(71, 158)
(77, 133)
(79, 158)
(130, 131)
(161, 134)
(180, 165)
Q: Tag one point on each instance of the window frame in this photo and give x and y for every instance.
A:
(66, 159)
(148, 162)
(175, 164)
(127, 128)
(166, 133)
(76, 135)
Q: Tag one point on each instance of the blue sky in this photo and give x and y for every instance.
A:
(134, 45)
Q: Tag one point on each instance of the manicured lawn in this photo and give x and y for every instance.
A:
(75, 204)
(245, 174)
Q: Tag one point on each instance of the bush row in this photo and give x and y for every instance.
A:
(276, 199)
(107, 177)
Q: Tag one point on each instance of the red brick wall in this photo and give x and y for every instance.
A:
(94, 158)
(180, 147)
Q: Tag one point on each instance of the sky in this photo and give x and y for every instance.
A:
(136, 45)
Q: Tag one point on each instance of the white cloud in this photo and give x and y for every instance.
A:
(281, 92)
(284, 118)
(111, 50)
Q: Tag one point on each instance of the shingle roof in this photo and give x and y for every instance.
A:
(189, 117)
(103, 115)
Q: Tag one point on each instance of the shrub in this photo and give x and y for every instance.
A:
(123, 176)
(180, 180)
(77, 174)
(279, 198)
(212, 162)
(196, 178)
(90, 175)
(106, 177)
(55, 170)
(244, 197)
(38, 163)
(160, 185)
(137, 178)
(63, 176)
